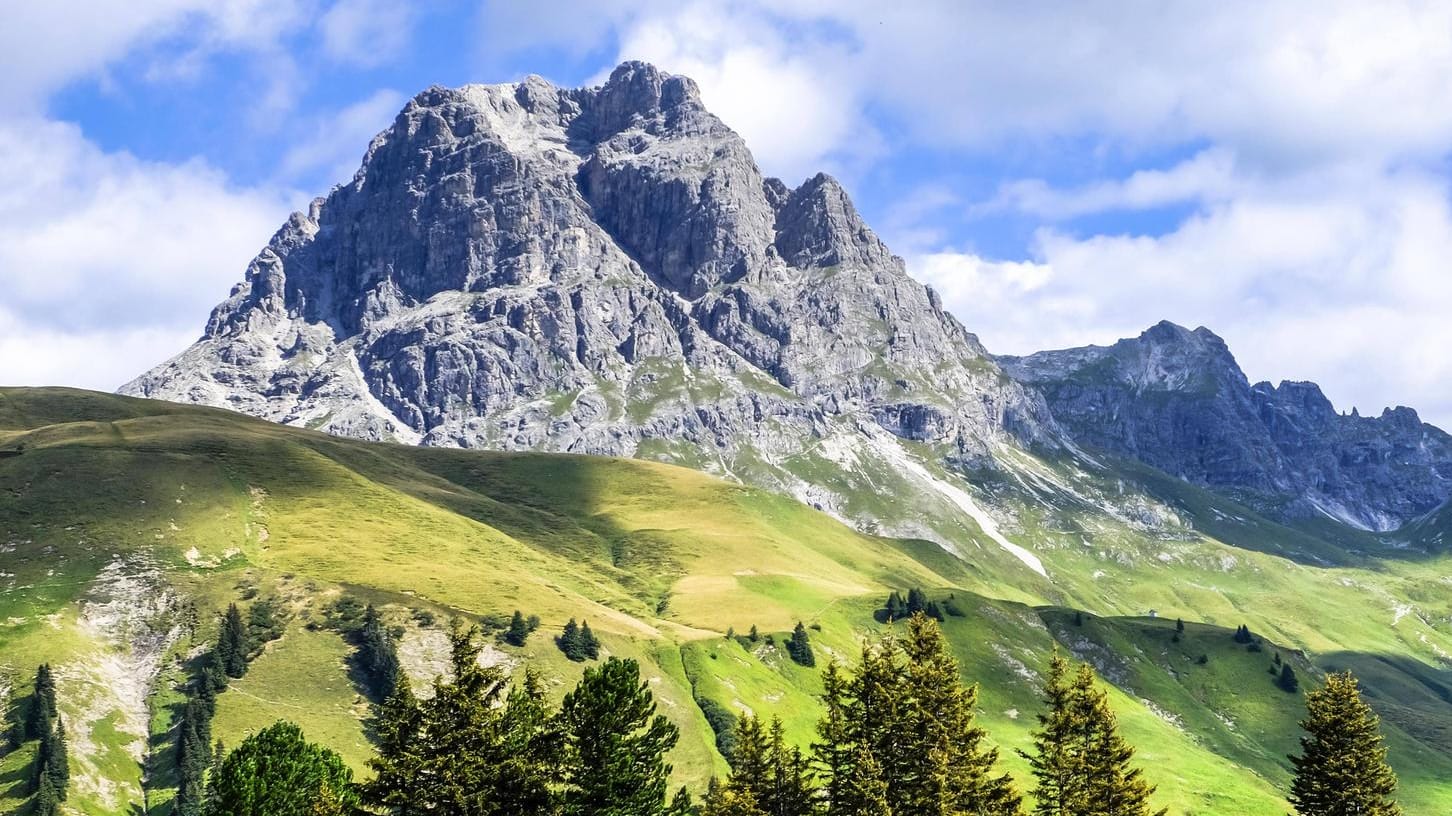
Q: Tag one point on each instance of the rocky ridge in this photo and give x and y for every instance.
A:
(1176, 399)
(600, 270)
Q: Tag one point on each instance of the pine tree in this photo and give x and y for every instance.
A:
(1057, 763)
(800, 647)
(615, 744)
(43, 709)
(571, 642)
(1342, 767)
(277, 771)
(57, 766)
(955, 771)
(589, 644)
(753, 636)
(1116, 788)
(1287, 680)
(518, 631)
(232, 646)
(1179, 626)
(377, 654)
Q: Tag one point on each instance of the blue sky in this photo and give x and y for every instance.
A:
(1062, 173)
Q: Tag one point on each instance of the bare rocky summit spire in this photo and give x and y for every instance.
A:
(600, 270)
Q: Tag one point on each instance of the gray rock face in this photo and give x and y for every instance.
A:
(599, 270)
(1177, 400)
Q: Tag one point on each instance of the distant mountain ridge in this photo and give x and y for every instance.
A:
(1177, 400)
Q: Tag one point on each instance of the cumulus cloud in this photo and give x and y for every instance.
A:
(338, 140)
(105, 252)
(366, 33)
(1343, 282)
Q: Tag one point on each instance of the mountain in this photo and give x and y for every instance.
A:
(129, 525)
(603, 271)
(1176, 399)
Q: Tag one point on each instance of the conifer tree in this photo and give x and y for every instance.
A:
(1116, 787)
(1342, 768)
(900, 736)
(232, 646)
(43, 709)
(1287, 680)
(57, 766)
(1081, 763)
(46, 801)
(681, 804)
(800, 647)
(955, 769)
(589, 644)
(726, 801)
(571, 643)
(1057, 763)
(518, 632)
(615, 744)
(377, 654)
(1180, 626)
(463, 750)
(277, 771)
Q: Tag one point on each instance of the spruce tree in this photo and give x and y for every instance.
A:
(46, 801)
(1287, 680)
(43, 709)
(589, 644)
(1116, 787)
(1057, 762)
(955, 771)
(463, 750)
(232, 646)
(58, 759)
(681, 804)
(571, 643)
(1081, 763)
(1342, 768)
(277, 771)
(615, 744)
(377, 654)
(900, 736)
(800, 647)
(518, 631)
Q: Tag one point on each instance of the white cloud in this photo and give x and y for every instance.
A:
(366, 32)
(104, 252)
(339, 139)
(1208, 176)
(48, 45)
(1342, 282)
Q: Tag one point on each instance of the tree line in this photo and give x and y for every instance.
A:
(898, 738)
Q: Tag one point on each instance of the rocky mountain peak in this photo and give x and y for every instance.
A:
(1176, 399)
(601, 270)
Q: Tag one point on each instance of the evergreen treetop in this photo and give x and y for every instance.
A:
(615, 744)
(1342, 767)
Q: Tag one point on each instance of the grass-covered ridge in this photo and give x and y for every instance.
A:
(119, 515)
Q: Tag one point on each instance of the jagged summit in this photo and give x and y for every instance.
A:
(601, 270)
(1176, 399)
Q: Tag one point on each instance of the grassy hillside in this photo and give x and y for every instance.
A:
(118, 517)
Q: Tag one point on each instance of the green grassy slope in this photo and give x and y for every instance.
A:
(119, 513)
